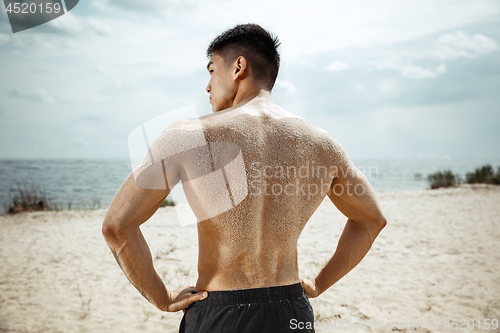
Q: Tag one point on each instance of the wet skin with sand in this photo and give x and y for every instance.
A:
(254, 244)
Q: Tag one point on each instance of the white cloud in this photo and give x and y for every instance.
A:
(458, 44)
(81, 141)
(101, 7)
(286, 85)
(154, 6)
(414, 72)
(156, 60)
(358, 85)
(100, 27)
(4, 39)
(339, 25)
(108, 72)
(31, 95)
(336, 66)
(67, 24)
(441, 69)
(305, 63)
(387, 87)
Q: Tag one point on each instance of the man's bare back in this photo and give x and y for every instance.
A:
(288, 174)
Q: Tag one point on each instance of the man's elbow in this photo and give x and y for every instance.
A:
(107, 229)
(375, 226)
(110, 231)
(379, 224)
(383, 223)
(116, 231)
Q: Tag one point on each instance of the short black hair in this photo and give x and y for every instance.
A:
(257, 45)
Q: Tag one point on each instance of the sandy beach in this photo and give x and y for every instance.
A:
(437, 259)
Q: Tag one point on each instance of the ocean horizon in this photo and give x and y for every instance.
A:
(82, 183)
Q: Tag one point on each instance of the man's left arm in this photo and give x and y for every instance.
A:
(132, 206)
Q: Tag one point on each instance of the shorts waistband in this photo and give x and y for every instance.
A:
(253, 294)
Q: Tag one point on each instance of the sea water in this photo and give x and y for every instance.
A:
(92, 183)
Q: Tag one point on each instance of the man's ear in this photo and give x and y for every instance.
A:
(241, 68)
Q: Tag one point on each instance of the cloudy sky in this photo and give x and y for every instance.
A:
(388, 79)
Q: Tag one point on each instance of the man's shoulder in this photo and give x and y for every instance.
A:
(185, 124)
(323, 141)
(313, 132)
(188, 127)
(178, 137)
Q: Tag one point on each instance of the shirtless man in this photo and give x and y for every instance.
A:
(247, 265)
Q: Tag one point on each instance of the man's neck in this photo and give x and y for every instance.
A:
(248, 95)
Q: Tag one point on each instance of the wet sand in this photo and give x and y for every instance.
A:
(437, 259)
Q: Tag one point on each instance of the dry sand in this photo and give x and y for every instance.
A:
(437, 259)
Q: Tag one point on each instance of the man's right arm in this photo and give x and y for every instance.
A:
(353, 195)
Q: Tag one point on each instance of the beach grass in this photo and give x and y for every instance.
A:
(443, 179)
(482, 175)
(28, 197)
(167, 202)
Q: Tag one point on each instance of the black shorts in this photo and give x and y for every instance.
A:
(259, 310)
